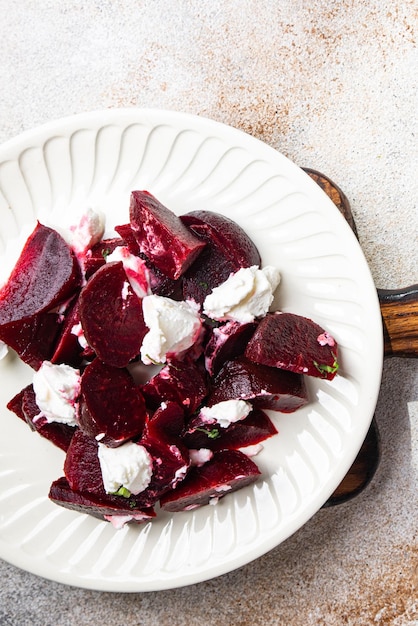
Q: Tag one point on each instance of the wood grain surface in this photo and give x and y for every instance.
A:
(399, 308)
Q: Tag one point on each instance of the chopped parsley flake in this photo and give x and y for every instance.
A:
(327, 369)
(122, 491)
(153, 360)
(212, 434)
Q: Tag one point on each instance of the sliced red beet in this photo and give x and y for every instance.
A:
(23, 404)
(183, 382)
(162, 236)
(254, 429)
(227, 471)
(115, 509)
(33, 339)
(111, 406)
(45, 276)
(126, 232)
(160, 283)
(296, 343)
(167, 421)
(226, 342)
(226, 234)
(265, 387)
(68, 348)
(228, 249)
(31, 410)
(111, 316)
(58, 434)
(170, 463)
(82, 466)
(15, 403)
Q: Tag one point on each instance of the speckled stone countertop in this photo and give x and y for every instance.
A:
(334, 86)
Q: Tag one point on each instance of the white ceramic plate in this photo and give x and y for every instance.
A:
(189, 163)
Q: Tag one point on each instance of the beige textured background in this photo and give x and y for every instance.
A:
(333, 85)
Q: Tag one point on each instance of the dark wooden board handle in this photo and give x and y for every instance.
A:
(399, 308)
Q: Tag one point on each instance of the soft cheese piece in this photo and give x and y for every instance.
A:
(78, 331)
(173, 327)
(57, 388)
(88, 231)
(128, 466)
(200, 456)
(135, 269)
(226, 412)
(3, 350)
(244, 296)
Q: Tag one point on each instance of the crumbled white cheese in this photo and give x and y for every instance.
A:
(128, 466)
(200, 456)
(78, 331)
(3, 350)
(325, 339)
(57, 388)
(135, 269)
(173, 327)
(125, 290)
(251, 450)
(244, 296)
(226, 412)
(88, 231)
(181, 472)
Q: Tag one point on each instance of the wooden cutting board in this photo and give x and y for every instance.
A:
(399, 308)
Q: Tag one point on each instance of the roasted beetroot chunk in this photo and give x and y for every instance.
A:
(227, 471)
(33, 339)
(82, 466)
(254, 429)
(228, 248)
(129, 240)
(45, 276)
(166, 422)
(23, 404)
(294, 343)
(226, 343)
(162, 236)
(170, 461)
(265, 387)
(68, 348)
(170, 464)
(15, 404)
(160, 283)
(59, 434)
(111, 316)
(183, 382)
(111, 406)
(115, 509)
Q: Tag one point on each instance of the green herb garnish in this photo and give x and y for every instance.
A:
(327, 369)
(106, 252)
(212, 434)
(153, 361)
(122, 491)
